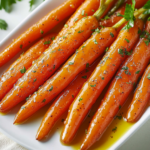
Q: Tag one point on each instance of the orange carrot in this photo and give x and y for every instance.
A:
(83, 57)
(140, 99)
(48, 62)
(99, 79)
(37, 30)
(115, 18)
(86, 9)
(63, 101)
(52, 58)
(16, 70)
(120, 88)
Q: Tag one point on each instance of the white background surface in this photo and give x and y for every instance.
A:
(140, 140)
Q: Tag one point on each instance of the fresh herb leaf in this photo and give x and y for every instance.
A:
(114, 129)
(3, 24)
(87, 65)
(125, 68)
(31, 2)
(47, 42)
(112, 35)
(148, 77)
(93, 85)
(97, 30)
(51, 88)
(80, 99)
(23, 70)
(127, 40)
(129, 15)
(70, 63)
(137, 72)
(95, 41)
(44, 100)
(84, 77)
(82, 13)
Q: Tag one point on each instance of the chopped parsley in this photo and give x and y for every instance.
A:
(44, 100)
(84, 77)
(112, 35)
(80, 99)
(76, 20)
(66, 26)
(51, 88)
(118, 77)
(41, 31)
(34, 80)
(106, 49)
(114, 129)
(47, 42)
(93, 85)
(137, 72)
(82, 13)
(23, 70)
(95, 41)
(127, 40)
(71, 63)
(148, 77)
(23, 107)
(21, 46)
(97, 30)
(87, 65)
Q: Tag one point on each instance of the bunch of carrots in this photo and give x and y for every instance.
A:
(103, 41)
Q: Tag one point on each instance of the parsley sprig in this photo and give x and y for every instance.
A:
(3, 24)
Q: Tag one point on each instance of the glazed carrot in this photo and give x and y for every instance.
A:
(16, 70)
(37, 30)
(63, 101)
(115, 18)
(119, 90)
(53, 57)
(83, 57)
(88, 8)
(99, 79)
(140, 99)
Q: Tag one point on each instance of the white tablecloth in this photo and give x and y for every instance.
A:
(7, 144)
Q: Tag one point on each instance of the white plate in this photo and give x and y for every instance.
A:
(25, 134)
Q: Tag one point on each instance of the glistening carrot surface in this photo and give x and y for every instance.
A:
(37, 30)
(17, 69)
(140, 99)
(115, 18)
(120, 88)
(84, 56)
(88, 8)
(48, 62)
(63, 101)
(99, 79)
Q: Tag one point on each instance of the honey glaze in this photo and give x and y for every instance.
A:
(113, 133)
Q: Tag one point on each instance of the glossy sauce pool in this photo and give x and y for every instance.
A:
(113, 133)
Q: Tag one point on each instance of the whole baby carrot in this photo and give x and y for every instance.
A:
(87, 8)
(37, 30)
(83, 57)
(140, 99)
(17, 69)
(119, 90)
(99, 79)
(63, 101)
(52, 58)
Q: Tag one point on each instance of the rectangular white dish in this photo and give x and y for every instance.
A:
(25, 134)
